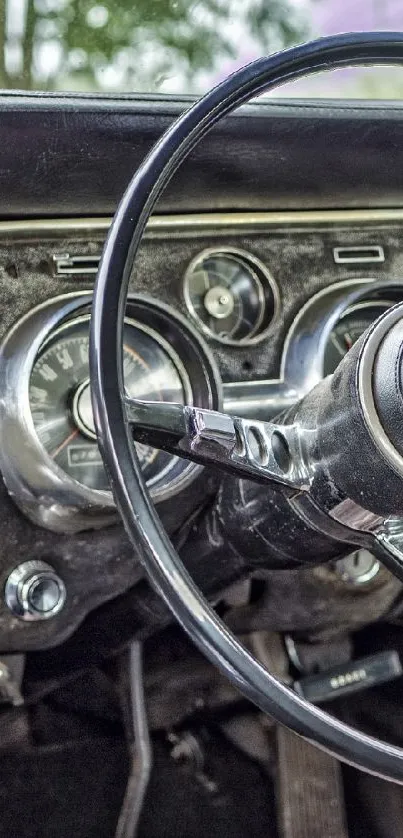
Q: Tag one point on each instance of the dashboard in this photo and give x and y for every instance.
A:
(248, 323)
(237, 311)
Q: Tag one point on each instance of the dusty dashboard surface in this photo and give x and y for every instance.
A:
(298, 254)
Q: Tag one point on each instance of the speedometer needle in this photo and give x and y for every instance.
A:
(64, 443)
(349, 340)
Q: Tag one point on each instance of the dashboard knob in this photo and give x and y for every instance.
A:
(359, 568)
(34, 591)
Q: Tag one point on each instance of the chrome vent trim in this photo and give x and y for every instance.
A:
(359, 255)
(66, 265)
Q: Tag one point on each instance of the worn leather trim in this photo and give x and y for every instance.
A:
(62, 154)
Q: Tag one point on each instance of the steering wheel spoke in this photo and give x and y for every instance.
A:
(261, 451)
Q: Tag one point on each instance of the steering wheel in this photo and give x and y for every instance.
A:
(282, 455)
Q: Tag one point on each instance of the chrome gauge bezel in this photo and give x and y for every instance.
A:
(303, 358)
(260, 272)
(44, 492)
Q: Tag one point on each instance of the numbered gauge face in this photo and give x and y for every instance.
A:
(60, 397)
(350, 327)
(229, 295)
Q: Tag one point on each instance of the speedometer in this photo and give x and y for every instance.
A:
(49, 457)
(60, 397)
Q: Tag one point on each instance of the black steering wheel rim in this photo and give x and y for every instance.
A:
(161, 562)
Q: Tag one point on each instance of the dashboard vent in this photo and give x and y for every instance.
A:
(66, 265)
(358, 255)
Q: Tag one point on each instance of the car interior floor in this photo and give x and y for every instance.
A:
(65, 762)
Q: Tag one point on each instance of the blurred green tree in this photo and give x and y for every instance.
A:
(135, 44)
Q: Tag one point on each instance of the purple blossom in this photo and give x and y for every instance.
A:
(332, 16)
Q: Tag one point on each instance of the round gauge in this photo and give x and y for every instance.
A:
(230, 295)
(50, 459)
(354, 322)
(60, 398)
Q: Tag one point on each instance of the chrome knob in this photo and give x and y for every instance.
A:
(358, 568)
(34, 591)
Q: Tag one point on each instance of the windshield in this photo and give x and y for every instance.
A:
(179, 46)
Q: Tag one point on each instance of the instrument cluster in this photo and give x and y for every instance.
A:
(49, 457)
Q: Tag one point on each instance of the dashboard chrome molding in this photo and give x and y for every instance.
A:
(213, 222)
(43, 491)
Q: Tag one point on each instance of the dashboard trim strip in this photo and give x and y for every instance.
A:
(190, 221)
